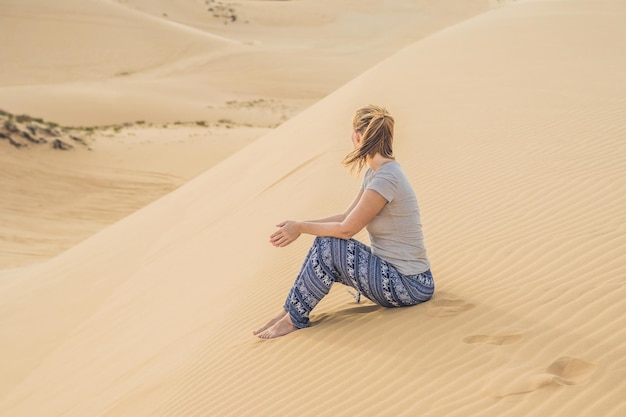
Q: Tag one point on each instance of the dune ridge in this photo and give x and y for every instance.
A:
(518, 163)
(102, 62)
(162, 90)
(161, 80)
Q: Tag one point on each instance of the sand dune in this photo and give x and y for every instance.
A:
(108, 61)
(74, 41)
(510, 128)
(52, 200)
(119, 62)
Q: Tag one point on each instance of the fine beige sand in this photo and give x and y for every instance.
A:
(510, 127)
(193, 84)
(87, 62)
(52, 200)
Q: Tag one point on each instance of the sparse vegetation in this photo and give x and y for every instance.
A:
(260, 102)
(23, 130)
(227, 123)
(263, 103)
(23, 118)
(59, 144)
(221, 11)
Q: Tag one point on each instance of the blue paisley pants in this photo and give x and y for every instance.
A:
(352, 263)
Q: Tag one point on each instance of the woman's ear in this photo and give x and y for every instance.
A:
(356, 138)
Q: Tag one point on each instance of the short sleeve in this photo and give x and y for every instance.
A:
(366, 179)
(385, 183)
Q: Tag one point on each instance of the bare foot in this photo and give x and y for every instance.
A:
(271, 322)
(281, 328)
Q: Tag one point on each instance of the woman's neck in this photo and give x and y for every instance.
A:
(378, 161)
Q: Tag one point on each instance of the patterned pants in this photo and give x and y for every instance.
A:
(352, 263)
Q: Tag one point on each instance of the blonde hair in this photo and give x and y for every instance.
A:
(375, 125)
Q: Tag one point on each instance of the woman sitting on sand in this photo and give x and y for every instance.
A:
(395, 271)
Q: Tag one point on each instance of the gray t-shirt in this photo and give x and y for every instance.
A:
(396, 232)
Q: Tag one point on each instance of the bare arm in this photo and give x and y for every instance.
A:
(366, 208)
(341, 216)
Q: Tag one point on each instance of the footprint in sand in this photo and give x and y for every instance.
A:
(505, 339)
(446, 308)
(563, 371)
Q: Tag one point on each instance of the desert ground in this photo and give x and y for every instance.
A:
(164, 90)
(136, 263)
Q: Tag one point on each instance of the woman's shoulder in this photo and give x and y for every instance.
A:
(391, 169)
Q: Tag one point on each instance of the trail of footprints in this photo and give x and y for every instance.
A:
(447, 307)
(520, 380)
(564, 371)
(506, 339)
